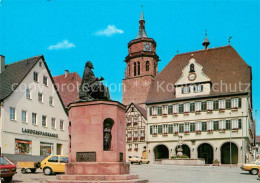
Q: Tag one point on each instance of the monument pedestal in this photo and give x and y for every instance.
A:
(97, 144)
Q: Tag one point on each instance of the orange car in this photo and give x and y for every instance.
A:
(253, 167)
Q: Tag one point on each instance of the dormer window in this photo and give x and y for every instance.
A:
(186, 89)
(198, 88)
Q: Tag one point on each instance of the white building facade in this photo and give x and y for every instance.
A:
(208, 120)
(33, 120)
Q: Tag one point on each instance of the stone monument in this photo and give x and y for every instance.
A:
(97, 145)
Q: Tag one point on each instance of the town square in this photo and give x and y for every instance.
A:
(129, 91)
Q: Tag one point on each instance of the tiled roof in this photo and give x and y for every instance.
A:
(14, 74)
(140, 109)
(221, 65)
(68, 87)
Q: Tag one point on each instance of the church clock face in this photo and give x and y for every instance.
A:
(192, 76)
(147, 46)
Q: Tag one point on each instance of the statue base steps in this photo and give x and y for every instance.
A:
(98, 179)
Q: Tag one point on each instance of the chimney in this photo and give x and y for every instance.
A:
(66, 73)
(2, 63)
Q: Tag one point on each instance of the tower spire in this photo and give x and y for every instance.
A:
(141, 32)
(206, 41)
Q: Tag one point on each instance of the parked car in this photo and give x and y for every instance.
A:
(7, 169)
(139, 160)
(54, 164)
(253, 167)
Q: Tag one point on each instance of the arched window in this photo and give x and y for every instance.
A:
(138, 63)
(192, 68)
(147, 65)
(134, 68)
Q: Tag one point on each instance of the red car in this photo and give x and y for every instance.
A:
(7, 169)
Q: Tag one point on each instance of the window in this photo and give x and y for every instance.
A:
(222, 125)
(12, 113)
(64, 159)
(28, 93)
(192, 127)
(210, 105)
(222, 104)
(147, 65)
(154, 111)
(198, 126)
(40, 64)
(216, 125)
(44, 121)
(40, 98)
(165, 109)
(46, 149)
(135, 133)
(159, 110)
(210, 125)
(150, 111)
(176, 109)
(134, 68)
(35, 77)
(203, 106)
(186, 89)
(51, 101)
(53, 123)
(165, 129)
(187, 107)
(204, 126)
(151, 130)
(61, 125)
(159, 129)
(186, 127)
(176, 128)
(54, 159)
(34, 118)
(215, 105)
(129, 134)
(228, 125)
(234, 124)
(142, 133)
(239, 102)
(155, 129)
(181, 128)
(138, 64)
(180, 108)
(228, 104)
(23, 147)
(198, 88)
(170, 128)
(24, 116)
(45, 80)
(170, 109)
(198, 106)
(192, 107)
(235, 103)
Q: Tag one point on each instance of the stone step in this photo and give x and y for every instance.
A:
(96, 181)
(96, 177)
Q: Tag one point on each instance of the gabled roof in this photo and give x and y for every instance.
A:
(140, 109)
(14, 73)
(68, 94)
(221, 65)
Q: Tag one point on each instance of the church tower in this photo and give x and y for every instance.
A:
(141, 68)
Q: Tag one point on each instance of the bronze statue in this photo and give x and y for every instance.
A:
(91, 87)
(107, 137)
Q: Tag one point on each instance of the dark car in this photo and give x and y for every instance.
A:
(7, 169)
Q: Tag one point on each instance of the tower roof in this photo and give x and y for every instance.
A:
(141, 32)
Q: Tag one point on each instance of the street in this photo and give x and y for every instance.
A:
(166, 174)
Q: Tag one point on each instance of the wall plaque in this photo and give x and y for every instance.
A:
(86, 156)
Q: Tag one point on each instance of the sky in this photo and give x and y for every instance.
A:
(70, 32)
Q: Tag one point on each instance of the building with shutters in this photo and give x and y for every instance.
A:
(203, 97)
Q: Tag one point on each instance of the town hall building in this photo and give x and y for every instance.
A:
(203, 97)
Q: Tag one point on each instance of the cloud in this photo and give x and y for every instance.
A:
(109, 31)
(65, 44)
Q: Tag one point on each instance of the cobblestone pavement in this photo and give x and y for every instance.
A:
(166, 174)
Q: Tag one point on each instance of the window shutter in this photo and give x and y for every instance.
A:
(151, 130)
(202, 88)
(239, 102)
(182, 90)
